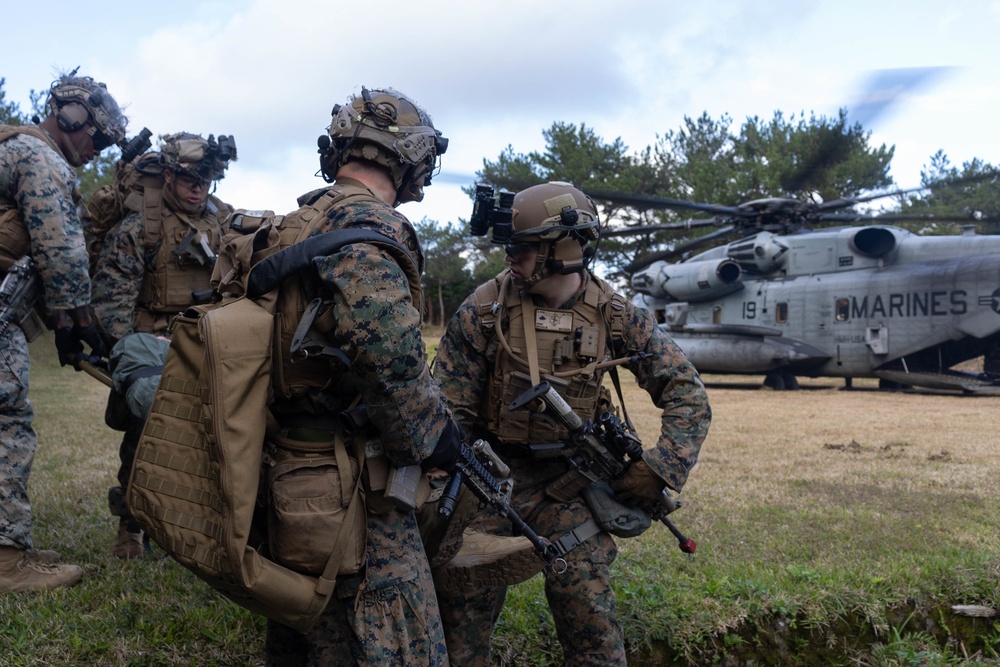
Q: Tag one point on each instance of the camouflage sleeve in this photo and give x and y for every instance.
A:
(118, 278)
(676, 388)
(377, 321)
(462, 365)
(45, 199)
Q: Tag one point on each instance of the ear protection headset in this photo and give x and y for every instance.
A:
(72, 116)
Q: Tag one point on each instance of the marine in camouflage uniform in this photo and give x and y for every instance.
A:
(38, 209)
(380, 152)
(155, 263)
(551, 223)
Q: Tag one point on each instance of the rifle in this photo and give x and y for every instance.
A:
(478, 478)
(20, 291)
(599, 452)
(401, 486)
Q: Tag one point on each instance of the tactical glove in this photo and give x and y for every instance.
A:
(68, 345)
(639, 486)
(92, 337)
(449, 445)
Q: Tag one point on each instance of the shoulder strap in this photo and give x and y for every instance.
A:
(486, 296)
(270, 272)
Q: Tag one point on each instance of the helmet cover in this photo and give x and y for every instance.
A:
(387, 128)
(192, 155)
(102, 110)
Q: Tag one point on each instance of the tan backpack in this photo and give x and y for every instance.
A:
(196, 484)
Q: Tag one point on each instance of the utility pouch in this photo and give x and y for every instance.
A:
(612, 515)
(567, 486)
(311, 486)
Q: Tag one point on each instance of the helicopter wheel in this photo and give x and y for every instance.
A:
(781, 381)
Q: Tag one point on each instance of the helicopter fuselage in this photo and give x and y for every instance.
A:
(852, 302)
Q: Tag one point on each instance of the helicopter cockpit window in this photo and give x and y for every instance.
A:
(843, 310)
(781, 313)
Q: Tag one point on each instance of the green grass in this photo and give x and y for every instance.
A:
(811, 551)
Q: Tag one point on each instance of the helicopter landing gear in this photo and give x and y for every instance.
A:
(781, 381)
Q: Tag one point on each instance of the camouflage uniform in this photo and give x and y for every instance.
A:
(387, 614)
(581, 599)
(35, 179)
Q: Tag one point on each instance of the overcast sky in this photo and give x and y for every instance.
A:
(493, 74)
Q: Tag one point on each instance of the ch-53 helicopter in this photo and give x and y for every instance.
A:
(870, 301)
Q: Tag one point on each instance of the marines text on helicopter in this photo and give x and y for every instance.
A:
(872, 301)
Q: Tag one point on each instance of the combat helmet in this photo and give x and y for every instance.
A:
(76, 101)
(192, 155)
(385, 127)
(561, 220)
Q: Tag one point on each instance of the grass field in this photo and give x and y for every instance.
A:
(833, 527)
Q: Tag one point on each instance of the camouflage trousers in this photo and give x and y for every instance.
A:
(387, 615)
(17, 440)
(582, 602)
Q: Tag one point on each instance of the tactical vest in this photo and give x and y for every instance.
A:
(179, 244)
(295, 371)
(14, 239)
(563, 347)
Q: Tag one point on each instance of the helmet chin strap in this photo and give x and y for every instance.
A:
(74, 157)
(540, 272)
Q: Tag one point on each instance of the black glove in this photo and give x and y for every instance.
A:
(449, 446)
(68, 345)
(92, 337)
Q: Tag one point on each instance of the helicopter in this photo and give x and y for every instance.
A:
(862, 299)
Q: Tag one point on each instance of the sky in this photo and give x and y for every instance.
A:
(496, 74)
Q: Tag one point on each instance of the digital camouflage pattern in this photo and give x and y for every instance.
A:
(36, 180)
(581, 599)
(119, 275)
(386, 617)
(391, 614)
(17, 441)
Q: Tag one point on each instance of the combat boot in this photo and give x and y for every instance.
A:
(20, 572)
(442, 537)
(128, 543)
(43, 556)
(488, 560)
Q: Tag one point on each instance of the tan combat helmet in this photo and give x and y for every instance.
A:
(561, 220)
(197, 157)
(76, 101)
(385, 127)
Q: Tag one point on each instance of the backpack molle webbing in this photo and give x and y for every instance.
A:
(197, 471)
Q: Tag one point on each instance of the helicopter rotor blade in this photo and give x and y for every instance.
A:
(666, 255)
(640, 230)
(647, 202)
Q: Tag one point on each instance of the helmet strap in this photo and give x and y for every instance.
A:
(74, 157)
(567, 255)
